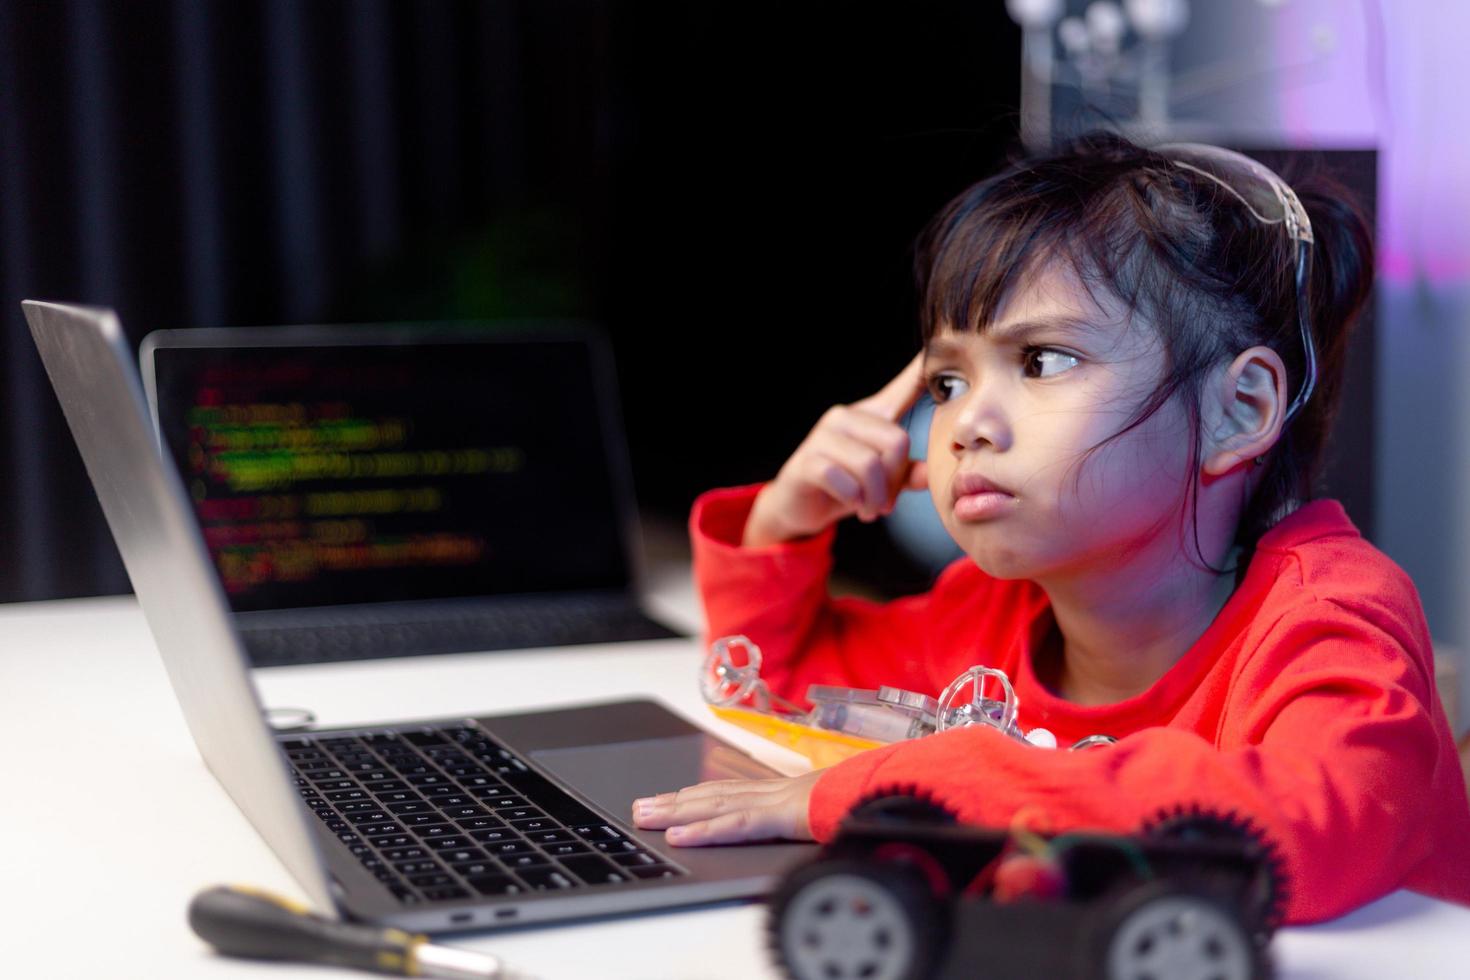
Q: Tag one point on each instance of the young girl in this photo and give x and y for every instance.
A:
(1130, 406)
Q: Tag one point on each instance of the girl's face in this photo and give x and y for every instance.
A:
(1019, 406)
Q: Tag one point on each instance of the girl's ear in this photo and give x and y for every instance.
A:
(1243, 410)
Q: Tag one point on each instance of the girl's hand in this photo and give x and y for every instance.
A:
(854, 461)
(730, 811)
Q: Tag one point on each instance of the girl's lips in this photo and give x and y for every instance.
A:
(983, 505)
(977, 499)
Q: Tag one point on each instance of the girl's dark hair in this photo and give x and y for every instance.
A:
(1177, 248)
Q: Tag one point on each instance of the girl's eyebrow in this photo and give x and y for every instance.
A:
(1015, 332)
(1021, 329)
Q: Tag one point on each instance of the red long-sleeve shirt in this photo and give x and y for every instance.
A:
(1308, 705)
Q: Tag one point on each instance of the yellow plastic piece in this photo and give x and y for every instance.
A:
(823, 747)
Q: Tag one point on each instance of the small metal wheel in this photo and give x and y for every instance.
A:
(1163, 933)
(846, 920)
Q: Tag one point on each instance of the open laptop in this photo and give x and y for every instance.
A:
(379, 491)
(439, 825)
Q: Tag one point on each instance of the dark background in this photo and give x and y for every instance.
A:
(730, 188)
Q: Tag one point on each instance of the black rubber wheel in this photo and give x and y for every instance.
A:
(902, 810)
(1264, 900)
(1160, 931)
(852, 920)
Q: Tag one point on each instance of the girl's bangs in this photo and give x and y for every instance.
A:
(979, 249)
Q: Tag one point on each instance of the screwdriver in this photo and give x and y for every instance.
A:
(242, 921)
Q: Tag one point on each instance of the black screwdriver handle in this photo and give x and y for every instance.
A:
(241, 921)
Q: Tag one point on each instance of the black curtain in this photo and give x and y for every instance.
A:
(730, 188)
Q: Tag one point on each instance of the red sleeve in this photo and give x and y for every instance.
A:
(1333, 749)
(777, 596)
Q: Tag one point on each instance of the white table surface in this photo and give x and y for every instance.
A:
(112, 822)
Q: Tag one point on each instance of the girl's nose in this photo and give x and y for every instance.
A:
(980, 422)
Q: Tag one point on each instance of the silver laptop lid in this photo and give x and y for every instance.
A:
(92, 370)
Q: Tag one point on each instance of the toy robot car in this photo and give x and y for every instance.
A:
(904, 892)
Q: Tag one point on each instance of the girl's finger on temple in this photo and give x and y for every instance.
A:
(827, 473)
(888, 439)
(898, 395)
(864, 464)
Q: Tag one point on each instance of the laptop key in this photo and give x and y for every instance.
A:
(420, 819)
(653, 871)
(494, 835)
(504, 802)
(390, 841)
(471, 869)
(385, 785)
(459, 855)
(430, 880)
(531, 824)
(633, 859)
(565, 848)
(598, 831)
(467, 812)
(518, 861)
(374, 830)
(376, 776)
(552, 799)
(445, 893)
(554, 835)
(360, 814)
(496, 885)
(486, 783)
(401, 809)
(447, 843)
(546, 879)
(404, 853)
(419, 867)
(594, 870)
(347, 795)
(437, 830)
(396, 796)
(615, 846)
(455, 798)
(509, 847)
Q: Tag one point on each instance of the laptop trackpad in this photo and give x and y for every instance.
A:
(614, 775)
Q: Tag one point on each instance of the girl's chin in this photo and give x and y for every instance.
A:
(1004, 563)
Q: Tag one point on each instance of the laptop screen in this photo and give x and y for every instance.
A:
(324, 475)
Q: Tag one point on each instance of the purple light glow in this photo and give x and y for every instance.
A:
(1395, 78)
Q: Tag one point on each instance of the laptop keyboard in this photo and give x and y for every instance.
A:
(442, 814)
(514, 625)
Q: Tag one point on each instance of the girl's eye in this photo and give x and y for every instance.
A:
(1046, 362)
(943, 387)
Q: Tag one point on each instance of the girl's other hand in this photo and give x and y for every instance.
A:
(730, 811)
(854, 461)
